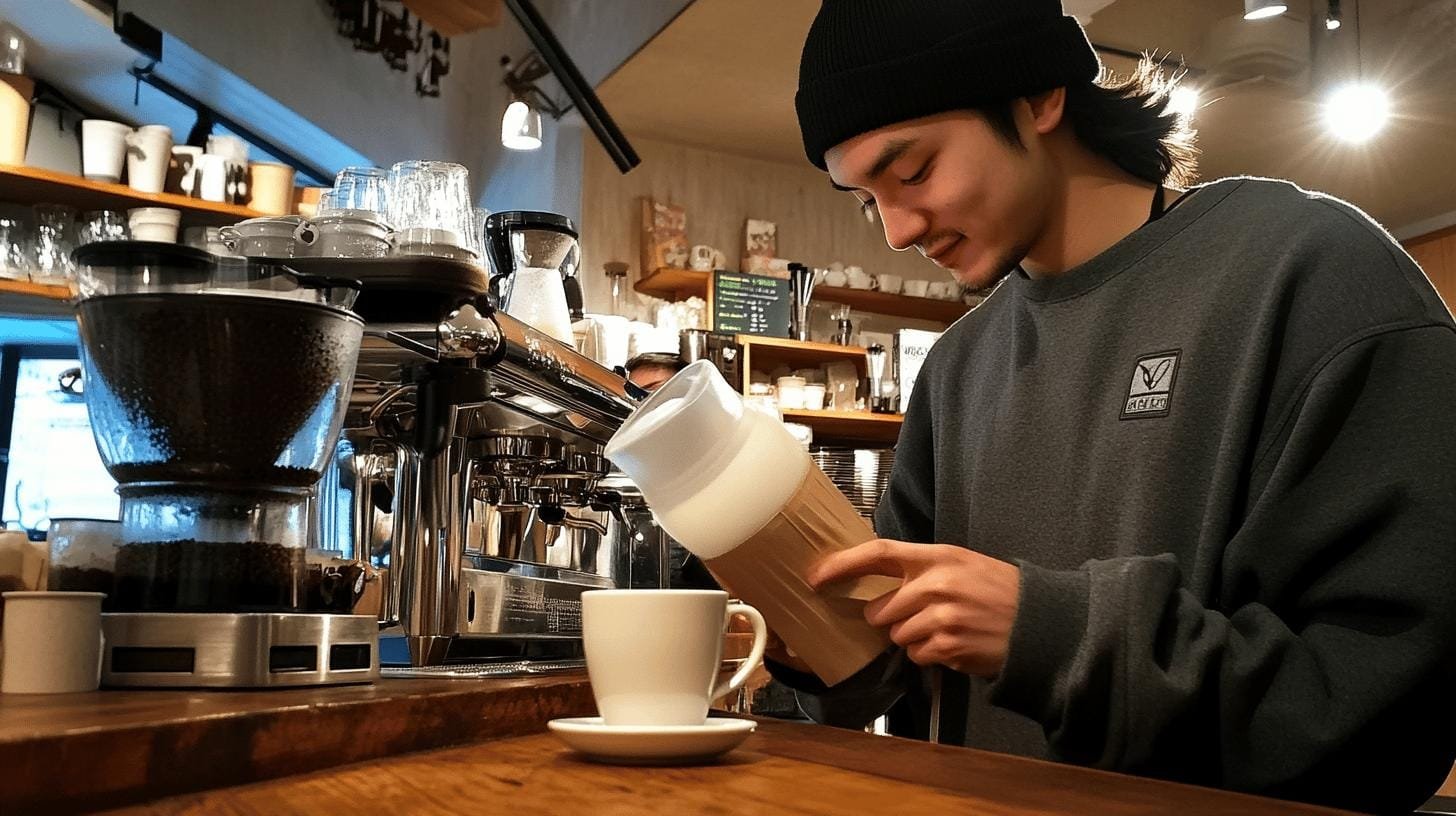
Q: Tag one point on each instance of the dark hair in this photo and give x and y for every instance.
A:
(1126, 121)
(656, 359)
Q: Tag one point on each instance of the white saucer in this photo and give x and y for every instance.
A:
(652, 744)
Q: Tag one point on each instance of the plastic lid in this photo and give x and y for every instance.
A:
(680, 436)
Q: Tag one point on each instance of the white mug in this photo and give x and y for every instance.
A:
(705, 258)
(890, 283)
(858, 278)
(148, 152)
(835, 277)
(653, 655)
(917, 288)
(103, 149)
(53, 642)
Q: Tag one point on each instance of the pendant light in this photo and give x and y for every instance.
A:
(1262, 9)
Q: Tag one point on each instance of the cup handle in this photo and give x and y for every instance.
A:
(760, 641)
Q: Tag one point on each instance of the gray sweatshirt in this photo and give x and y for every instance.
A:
(1223, 455)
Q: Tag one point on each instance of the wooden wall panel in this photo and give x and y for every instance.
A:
(1436, 254)
(816, 224)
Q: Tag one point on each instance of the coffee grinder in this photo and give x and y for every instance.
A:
(216, 389)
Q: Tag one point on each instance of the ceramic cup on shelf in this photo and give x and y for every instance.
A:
(154, 224)
(814, 396)
(858, 278)
(103, 149)
(917, 288)
(835, 277)
(270, 188)
(791, 393)
(890, 283)
(182, 171)
(148, 153)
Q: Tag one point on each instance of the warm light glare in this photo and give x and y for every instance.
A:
(1332, 23)
(1262, 9)
(1356, 112)
(1183, 101)
(521, 127)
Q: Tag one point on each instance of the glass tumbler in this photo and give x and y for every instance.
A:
(430, 208)
(14, 261)
(104, 225)
(358, 192)
(55, 238)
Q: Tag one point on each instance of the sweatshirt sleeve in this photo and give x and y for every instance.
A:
(905, 514)
(1323, 668)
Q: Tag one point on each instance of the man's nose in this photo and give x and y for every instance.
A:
(904, 226)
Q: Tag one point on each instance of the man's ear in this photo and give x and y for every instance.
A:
(1047, 109)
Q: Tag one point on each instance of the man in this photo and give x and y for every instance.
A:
(1182, 490)
(653, 368)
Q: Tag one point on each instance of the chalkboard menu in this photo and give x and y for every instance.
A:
(750, 304)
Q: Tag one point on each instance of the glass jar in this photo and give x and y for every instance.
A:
(83, 556)
(104, 225)
(196, 548)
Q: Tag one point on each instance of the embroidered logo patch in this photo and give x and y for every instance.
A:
(1151, 391)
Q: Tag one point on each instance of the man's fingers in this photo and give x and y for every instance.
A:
(920, 626)
(879, 556)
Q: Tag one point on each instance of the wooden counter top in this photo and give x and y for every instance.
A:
(379, 749)
(783, 769)
(68, 752)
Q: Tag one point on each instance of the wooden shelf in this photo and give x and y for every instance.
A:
(680, 284)
(865, 300)
(848, 426)
(35, 185)
(675, 284)
(796, 353)
(15, 287)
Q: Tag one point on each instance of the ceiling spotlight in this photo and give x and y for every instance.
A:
(1183, 101)
(1332, 18)
(1262, 9)
(521, 127)
(1356, 112)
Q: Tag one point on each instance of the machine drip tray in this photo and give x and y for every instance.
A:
(245, 650)
(478, 671)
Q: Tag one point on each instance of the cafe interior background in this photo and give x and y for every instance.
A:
(1345, 97)
(700, 177)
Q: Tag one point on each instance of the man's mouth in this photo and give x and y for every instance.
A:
(944, 251)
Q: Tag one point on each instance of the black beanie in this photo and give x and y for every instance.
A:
(872, 63)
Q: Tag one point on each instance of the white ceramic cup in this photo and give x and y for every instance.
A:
(814, 396)
(103, 149)
(835, 277)
(210, 177)
(858, 278)
(154, 224)
(891, 283)
(917, 288)
(791, 393)
(52, 642)
(148, 152)
(653, 655)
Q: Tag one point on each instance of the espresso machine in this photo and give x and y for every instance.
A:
(216, 389)
(470, 467)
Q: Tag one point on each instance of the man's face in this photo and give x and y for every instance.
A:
(650, 377)
(952, 187)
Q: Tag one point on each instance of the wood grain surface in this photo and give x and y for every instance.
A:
(783, 769)
(69, 752)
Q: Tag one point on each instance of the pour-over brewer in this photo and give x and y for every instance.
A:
(216, 388)
(471, 461)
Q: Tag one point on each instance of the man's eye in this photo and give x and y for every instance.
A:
(919, 176)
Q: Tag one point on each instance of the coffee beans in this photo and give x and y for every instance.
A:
(204, 576)
(216, 388)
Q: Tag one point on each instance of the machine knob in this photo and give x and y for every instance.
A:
(467, 333)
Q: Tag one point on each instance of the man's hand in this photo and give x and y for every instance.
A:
(955, 607)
